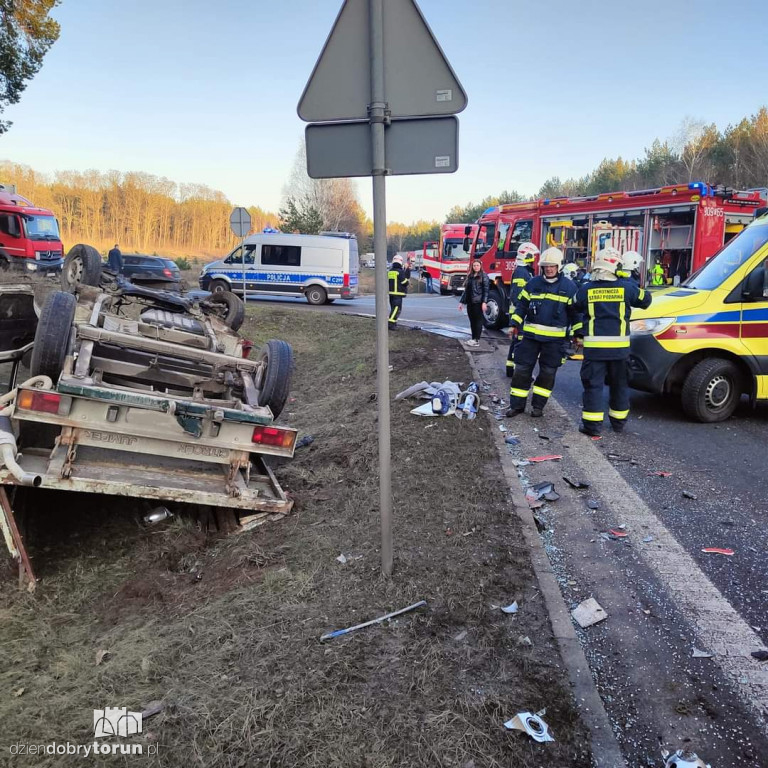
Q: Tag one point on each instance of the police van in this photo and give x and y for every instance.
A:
(322, 268)
(707, 341)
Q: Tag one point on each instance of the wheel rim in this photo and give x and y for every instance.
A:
(75, 271)
(314, 296)
(491, 310)
(218, 288)
(718, 392)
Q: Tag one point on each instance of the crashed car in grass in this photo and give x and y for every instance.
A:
(142, 393)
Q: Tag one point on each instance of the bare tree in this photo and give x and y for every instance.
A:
(693, 143)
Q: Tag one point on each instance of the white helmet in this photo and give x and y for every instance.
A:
(398, 259)
(552, 257)
(631, 260)
(527, 252)
(608, 259)
(570, 270)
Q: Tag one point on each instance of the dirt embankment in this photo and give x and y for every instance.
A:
(226, 631)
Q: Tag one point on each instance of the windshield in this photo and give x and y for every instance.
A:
(453, 250)
(41, 227)
(729, 258)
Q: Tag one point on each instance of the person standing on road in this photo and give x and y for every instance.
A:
(606, 305)
(657, 274)
(425, 273)
(475, 297)
(115, 260)
(398, 280)
(526, 255)
(545, 312)
(631, 262)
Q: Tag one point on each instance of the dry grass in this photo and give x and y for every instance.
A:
(226, 631)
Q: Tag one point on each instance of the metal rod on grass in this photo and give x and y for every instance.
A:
(340, 632)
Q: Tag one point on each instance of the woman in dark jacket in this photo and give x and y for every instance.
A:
(475, 296)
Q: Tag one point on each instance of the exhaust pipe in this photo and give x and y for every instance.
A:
(8, 455)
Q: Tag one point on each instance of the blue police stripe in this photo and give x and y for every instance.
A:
(290, 278)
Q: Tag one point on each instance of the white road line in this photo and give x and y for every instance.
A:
(718, 627)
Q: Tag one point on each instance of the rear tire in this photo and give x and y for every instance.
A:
(275, 386)
(231, 308)
(218, 286)
(316, 295)
(494, 316)
(712, 390)
(82, 266)
(52, 336)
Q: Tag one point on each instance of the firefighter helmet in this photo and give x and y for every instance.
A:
(398, 259)
(631, 260)
(527, 252)
(552, 257)
(608, 260)
(570, 270)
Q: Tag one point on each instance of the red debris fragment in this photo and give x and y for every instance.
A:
(617, 534)
(717, 551)
(544, 458)
(659, 474)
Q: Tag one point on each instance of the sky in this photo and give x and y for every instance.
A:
(206, 92)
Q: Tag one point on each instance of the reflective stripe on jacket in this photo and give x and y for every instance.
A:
(398, 281)
(546, 310)
(520, 278)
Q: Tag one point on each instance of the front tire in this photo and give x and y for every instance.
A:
(495, 316)
(82, 266)
(229, 308)
(52, 335)
(712, 390)
(275, 379)
(316, 295)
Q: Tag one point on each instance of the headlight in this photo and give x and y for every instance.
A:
(651, 326)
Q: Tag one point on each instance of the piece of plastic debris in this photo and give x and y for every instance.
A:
(544, 437)
(502, 428)
(659, 474)
(616, 457)
(532, 724)
(596, 437)
(578, 484)
(484, 408)
(153, 708)
(424, 410)
(521, 462)
(760, 655)
(468, 402)
(617, 533)
(102, 656)
(305, 441)
(537, 459)
(524, 641)
(538, 490)
(18, 692)
(342, 558)
(699, 654)
(683, 758)
(339, 632)
(461, 636)
(588, 613)
(157, 515)
(718, 551)
(411, 391)
(592, 504)
(512, 608)
(689, 495)
(512, 440)
(647, 539)
(605, 536)
(551, 496)
(541, 524)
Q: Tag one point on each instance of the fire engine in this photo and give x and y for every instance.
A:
(29, 236)
(446, 260)
(679, 226)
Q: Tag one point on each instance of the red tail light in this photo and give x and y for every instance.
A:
(346, 279)
(281, 438)
(45, 402)
(247, 347)
(167, 272)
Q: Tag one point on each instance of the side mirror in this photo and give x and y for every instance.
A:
(466, 244)
(754, 286)
(467, 230)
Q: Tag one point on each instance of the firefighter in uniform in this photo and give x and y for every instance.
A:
(605, 304)
(398, 279)
(526, 255)
(657, 274)
(545, 311)
(631, 262)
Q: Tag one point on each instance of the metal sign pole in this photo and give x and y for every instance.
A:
(377, 117)
(242, 258)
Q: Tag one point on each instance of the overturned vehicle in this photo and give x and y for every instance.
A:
(140, 393)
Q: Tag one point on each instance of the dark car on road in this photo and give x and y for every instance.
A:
(151, 271)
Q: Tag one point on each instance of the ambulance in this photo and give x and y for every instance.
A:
(706, 341)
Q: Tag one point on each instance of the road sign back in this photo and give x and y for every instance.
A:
(418, 79)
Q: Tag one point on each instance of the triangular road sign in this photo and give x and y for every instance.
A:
(418, 80)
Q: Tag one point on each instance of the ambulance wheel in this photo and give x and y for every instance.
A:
(494, 316)
(274, 379)
(712, 390)
(316, 294)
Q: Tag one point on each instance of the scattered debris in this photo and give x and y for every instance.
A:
(760, 655)
(305, 441)
(540, 489)
(342, 558)
(18, 692)
(532, 724)
(152, 709)
(595, 437)
(468, 402)
(578, 484)
(416, 389)
(588, 613)
(683, 759)
(604, 535)
(718, 551)
(551, 496)
(521, 462)
(541, 524)
(339, 632)
(699, 654)
(689, 495)
(537, 459)
(544, 437)
(647, 539)
(512, 440)
(592, 504)
(102, 655)
(461, 636)
(525, 641)
(616, 457)
(157, 515)
(502, 428)
(618, 534)
(660, 473)
(512, 608)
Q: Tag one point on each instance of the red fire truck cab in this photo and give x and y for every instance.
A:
(679, 226)
(29, 236)
(447, 261)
